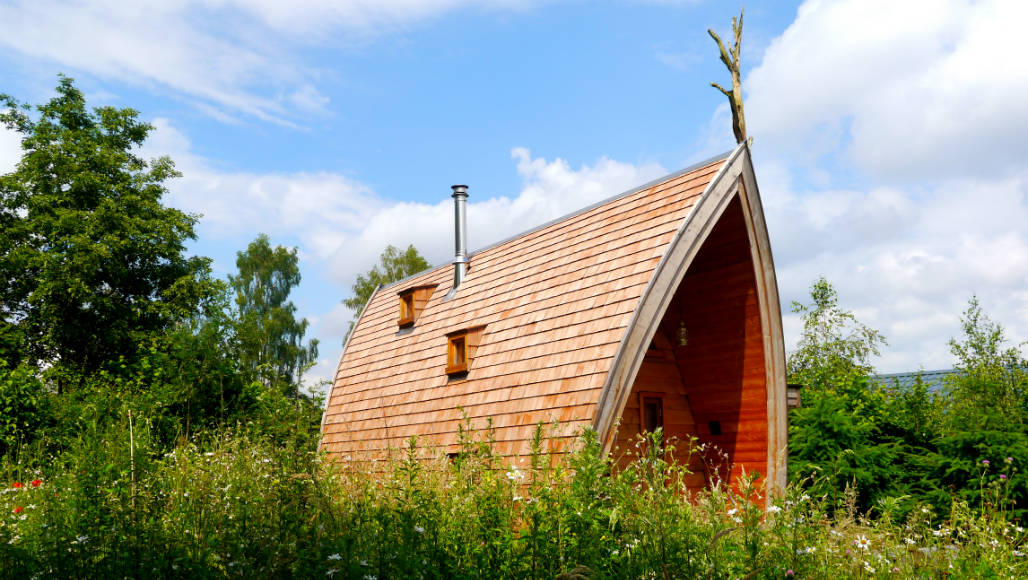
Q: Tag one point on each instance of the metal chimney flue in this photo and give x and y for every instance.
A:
(460, 228)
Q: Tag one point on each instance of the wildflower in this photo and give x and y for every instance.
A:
(895, 570)
(1009, 460)
(419, 529)
(862, 542)
(805, 497)
(1019, 529)
(789, 572)
(17, 485)
(869, 568)
(37, 482)
(335, 556)
(1002, 476)
(1019, 553)
(773, 509)
(370, 577)
(331, 572)
(18, 509)
(80, 540)
(985, 462)
(909, 541)
(363, 562)
(733, 511)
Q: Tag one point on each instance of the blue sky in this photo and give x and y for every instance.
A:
(889, 137)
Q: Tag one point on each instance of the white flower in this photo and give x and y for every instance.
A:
(335, 557)
(364, 562)
(862, 542)
(331, 572)
(419, 529)
(370, 577)
(733, 511)
(909, 541)
(773, 509)
(867, 566)
(805, 497)
(514, 474)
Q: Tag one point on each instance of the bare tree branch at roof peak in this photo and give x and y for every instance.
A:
(731, 60)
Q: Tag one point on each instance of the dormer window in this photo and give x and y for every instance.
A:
(460, 349)
(412, 302)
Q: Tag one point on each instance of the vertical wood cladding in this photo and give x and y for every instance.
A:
(714, 386)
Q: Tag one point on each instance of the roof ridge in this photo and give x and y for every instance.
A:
(582, 210)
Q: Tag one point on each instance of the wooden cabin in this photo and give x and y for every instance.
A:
(657, 307)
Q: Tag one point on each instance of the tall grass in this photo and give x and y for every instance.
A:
(235, 505)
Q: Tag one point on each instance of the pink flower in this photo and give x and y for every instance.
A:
(789, 572)
(985, 462)
(1002, 476)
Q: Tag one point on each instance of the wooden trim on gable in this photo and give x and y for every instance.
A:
(734, 179)
(771, 322)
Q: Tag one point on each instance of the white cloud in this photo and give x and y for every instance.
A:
(905, 87)
(228, 56)
(888, 142)
(906, 260)
(315, 208)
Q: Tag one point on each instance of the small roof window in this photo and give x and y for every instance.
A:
(412, 302)
(460, 349)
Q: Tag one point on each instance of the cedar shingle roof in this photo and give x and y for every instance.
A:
(555, 301)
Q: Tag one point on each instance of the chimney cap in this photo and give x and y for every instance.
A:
(459, 189)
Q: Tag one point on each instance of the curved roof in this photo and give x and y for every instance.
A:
(556, 302)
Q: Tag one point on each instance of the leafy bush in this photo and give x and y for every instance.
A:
(234, 505)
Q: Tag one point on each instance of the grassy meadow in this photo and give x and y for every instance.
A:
(233, 505)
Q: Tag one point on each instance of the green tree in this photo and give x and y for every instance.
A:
(393, 265)
(91, 262)
(270, 337)
(835, 347)
(991, 388)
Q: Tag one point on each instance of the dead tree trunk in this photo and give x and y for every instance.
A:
(731, 60)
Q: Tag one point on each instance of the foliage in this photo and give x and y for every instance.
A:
(835, 348)
(91, 262)
(992, 386)
(861, 441)
(233, 505)
(270, 338)
(23, 403)
(393, 265)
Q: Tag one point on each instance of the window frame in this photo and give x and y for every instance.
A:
(648, 396)
(457, 343)
(464, 341)
(412, 301)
